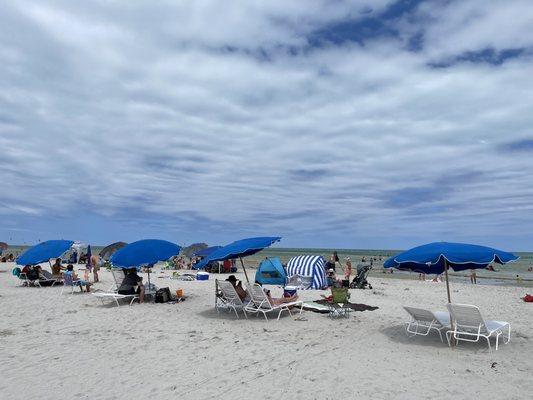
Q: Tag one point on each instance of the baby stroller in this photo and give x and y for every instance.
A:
(360, 282)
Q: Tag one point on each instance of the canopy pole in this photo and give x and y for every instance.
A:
(244, 269)
(452, 339)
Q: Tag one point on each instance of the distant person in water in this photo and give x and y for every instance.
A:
(473, 277)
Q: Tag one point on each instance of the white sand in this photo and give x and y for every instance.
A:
(71, 346)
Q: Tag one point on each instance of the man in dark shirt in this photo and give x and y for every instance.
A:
(132, 280)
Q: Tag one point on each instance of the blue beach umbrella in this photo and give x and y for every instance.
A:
(89, 255)
(438, 257)
(44, 251)
(144, 252)
(239, 249)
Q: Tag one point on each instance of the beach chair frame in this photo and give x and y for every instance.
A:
(259, 303)
(469, 326)
(112, 293)
(228, 298)
(424, 321)
(338, 304)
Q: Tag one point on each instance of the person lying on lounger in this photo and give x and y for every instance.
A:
(130, 282)
(281, 300)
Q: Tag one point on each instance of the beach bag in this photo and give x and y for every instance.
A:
(528, 298)
(162, 295)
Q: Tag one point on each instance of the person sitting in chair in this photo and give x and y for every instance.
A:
(130, 282)
(238, 287)
(76, 280)
(57, 268)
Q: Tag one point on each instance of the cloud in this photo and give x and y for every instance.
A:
(207, 123)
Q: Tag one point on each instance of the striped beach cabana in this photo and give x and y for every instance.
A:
(313, 267)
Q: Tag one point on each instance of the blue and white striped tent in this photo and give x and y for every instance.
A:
(309, 266)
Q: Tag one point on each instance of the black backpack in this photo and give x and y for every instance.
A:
(162, 295)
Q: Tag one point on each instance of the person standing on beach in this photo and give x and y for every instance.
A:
(333, 260)
(348, 269)
(473, 277)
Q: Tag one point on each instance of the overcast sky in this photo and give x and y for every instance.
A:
(348, 124)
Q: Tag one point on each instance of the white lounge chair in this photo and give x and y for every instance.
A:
(112, 293)
(424, 321)
(228, 298)
(46, 277)
(470, 326)
(259, 302)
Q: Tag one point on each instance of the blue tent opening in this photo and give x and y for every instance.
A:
(271, 272)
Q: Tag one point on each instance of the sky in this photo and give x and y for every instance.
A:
(334, 124)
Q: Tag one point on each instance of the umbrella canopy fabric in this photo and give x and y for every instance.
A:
(3, 246)
(44, 251)
(431, 258)
(206, 252)
(240, 248)
(108, 251)
(144, 252)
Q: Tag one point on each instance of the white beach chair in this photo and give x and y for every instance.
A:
(259, 302)
(470, 326)
(118, 277)
(424, 321)
(46, 277)
(112, 293)
(228, 298)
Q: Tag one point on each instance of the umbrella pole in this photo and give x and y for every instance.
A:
(452, 341)
(244, 269)
(447, 281)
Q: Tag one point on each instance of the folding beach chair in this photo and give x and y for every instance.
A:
(338, 306)
(69, 282)
(228, 298)
(259, 302)
(424, 321)
(470, 326)
(112, 293)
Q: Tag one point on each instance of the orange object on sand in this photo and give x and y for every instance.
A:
(179, 293)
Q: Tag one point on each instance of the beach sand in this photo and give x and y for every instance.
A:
(70, 346)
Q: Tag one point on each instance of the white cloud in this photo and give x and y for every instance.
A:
(169, 113)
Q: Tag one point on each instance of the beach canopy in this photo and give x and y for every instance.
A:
(207, 251)
(144, 252)
(433, 258)
(108, 251)
(189, 251)
(44, 251)
(311, 267)
(271, 272)
(238, 249)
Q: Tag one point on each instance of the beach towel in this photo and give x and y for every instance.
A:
(353, 306)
